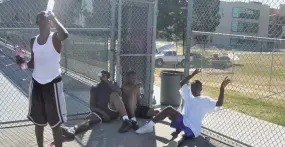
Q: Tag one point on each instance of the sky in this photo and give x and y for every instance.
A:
(271, 3)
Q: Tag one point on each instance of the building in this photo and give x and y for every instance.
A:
(250, 19)
(276, 27)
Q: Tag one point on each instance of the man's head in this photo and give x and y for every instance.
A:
(43, 21)
(104, 75)
(196, 88)
(131, 77)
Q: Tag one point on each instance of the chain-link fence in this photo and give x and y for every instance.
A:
(103, 35)
(240, 39)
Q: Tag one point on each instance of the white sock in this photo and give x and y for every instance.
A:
(125, 117)
(151, 123)
(134, 119)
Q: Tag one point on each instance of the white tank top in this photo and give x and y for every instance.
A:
(46, 61)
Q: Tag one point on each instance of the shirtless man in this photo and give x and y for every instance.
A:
(131, 97)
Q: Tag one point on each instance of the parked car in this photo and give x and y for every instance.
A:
(170, 58)
(221, 62)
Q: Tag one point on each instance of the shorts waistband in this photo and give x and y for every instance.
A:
(55, 80)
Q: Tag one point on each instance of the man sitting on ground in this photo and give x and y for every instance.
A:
(131, 97)
(105, 105)
(105, 100)
(194, 110)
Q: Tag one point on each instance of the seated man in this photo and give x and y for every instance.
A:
(105, 100)
(131, 97)
(105, 104)
(194, 109)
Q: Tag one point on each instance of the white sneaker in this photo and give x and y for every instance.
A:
(145, 129)
(172, 144)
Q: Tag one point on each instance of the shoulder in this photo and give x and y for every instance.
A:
(94, 87)
(185, 88)
(207, 98)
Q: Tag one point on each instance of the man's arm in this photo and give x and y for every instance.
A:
(62, 33)
(138, 96)
(93, 104)
(220, 101)
(186, 80)
(114, 87)
(30, 64)
(92, 100)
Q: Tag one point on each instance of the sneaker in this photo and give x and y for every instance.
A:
(135, 125)
(126, 126)
(172, 144)
(175, 134)
(145, 129)
(68, 133)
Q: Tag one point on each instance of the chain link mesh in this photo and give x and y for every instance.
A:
(243, 40)
(101, 33)
(239, 39)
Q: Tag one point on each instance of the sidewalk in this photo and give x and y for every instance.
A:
(16, 131)
(102, 135)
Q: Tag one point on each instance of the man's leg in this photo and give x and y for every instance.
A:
(37, 112)
(169, 112)
(55, 108)
(117, 104)
(57, 136)
(39, 131)
(151, 112)
(131, 106)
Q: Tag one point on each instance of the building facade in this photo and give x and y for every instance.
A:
(249, 19)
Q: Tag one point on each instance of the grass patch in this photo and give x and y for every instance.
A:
(255, 76)
(265, 109)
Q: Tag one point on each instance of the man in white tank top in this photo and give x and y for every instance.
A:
(47, 103)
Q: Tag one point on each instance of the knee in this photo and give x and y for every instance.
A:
(169, 109)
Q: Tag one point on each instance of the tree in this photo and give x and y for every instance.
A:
(172, 15)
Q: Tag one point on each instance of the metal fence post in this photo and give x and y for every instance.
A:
(188, 37)
(118, 65)
(112, 54)
(155, 13)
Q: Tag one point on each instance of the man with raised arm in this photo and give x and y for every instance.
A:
(47, 102)
(188, 123)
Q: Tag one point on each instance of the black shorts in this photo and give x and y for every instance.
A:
(141, 112)
(113, 114)
(47, 103)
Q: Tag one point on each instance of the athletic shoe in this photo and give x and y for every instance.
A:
(172, 144)
(126, 126)
(135, 125)
(175, 134)
(68, 133)
(145, 129)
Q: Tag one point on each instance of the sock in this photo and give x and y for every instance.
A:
(151, 123)
(125, 117)
(134, 119)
